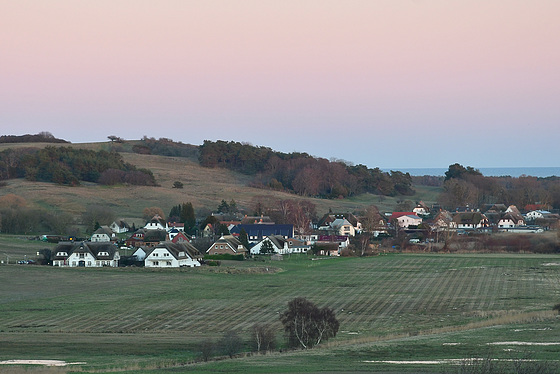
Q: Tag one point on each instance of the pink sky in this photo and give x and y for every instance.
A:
(388, 83)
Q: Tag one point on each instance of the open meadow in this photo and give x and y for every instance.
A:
(393, 307)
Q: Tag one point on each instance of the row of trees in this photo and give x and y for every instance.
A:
(467, 186)
(165, 147)
(66, 165)
(42, 137)
(301, 173)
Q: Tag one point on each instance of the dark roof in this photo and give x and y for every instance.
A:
(230, 240)
(122, 224)
(176, 248)
(277, 240)
(469, 218)
(264, 230)
(104, 230)
(155, 235)
(95, 248)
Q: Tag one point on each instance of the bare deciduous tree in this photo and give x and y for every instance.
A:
(306, 325)
(263, 337)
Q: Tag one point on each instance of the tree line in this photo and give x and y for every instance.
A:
(69, 166)
(301, 173)
(464, 186)
(42, 137)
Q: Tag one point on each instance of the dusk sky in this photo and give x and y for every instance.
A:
(385, 83)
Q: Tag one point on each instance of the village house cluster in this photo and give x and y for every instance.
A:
(162, 244)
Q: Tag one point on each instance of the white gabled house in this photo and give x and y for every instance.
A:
(119, 227)
(172, 255)
(510, 221)
(140, 253)
(277, 243)
(103, 234)
(470, 220)
(156, 223)
(86, 254)
(405, 219)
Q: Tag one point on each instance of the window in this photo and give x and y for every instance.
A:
(166, 254)
(156, 263)
(168, 263)
(89, 263)
(82, 255)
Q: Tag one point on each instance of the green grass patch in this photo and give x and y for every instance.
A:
(399, 306)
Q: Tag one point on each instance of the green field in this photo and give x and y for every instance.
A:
(390, 307)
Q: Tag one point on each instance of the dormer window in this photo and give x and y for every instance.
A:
(62, 254)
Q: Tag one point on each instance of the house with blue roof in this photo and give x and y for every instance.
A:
(257, 232)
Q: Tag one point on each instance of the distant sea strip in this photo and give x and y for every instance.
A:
(541, 172)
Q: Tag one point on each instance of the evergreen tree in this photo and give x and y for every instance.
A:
(188, 217)
(267, 247)
(223, 207)
(243, 238)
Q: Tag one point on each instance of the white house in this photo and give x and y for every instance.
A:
(421, 209)
(470, 220)
(405, 219)
(156, 223)
(510, 220)
(172, 255)
(277, 242)
(86, 254)
(103, 234)
(119, 227)
(537, 214)
(140, 253)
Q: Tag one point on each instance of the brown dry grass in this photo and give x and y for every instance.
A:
(203, 187)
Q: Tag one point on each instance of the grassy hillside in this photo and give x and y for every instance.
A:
(398, 307)
(204, 187)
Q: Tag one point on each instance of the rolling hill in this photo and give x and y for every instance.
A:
(203, 187)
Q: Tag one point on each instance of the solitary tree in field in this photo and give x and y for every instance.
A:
(306, 325)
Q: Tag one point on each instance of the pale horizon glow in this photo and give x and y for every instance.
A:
(385, 83)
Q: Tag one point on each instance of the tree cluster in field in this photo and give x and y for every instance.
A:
(69, 166)
(301, 173)
(165, 147)
(42, 137)
(305, 326)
